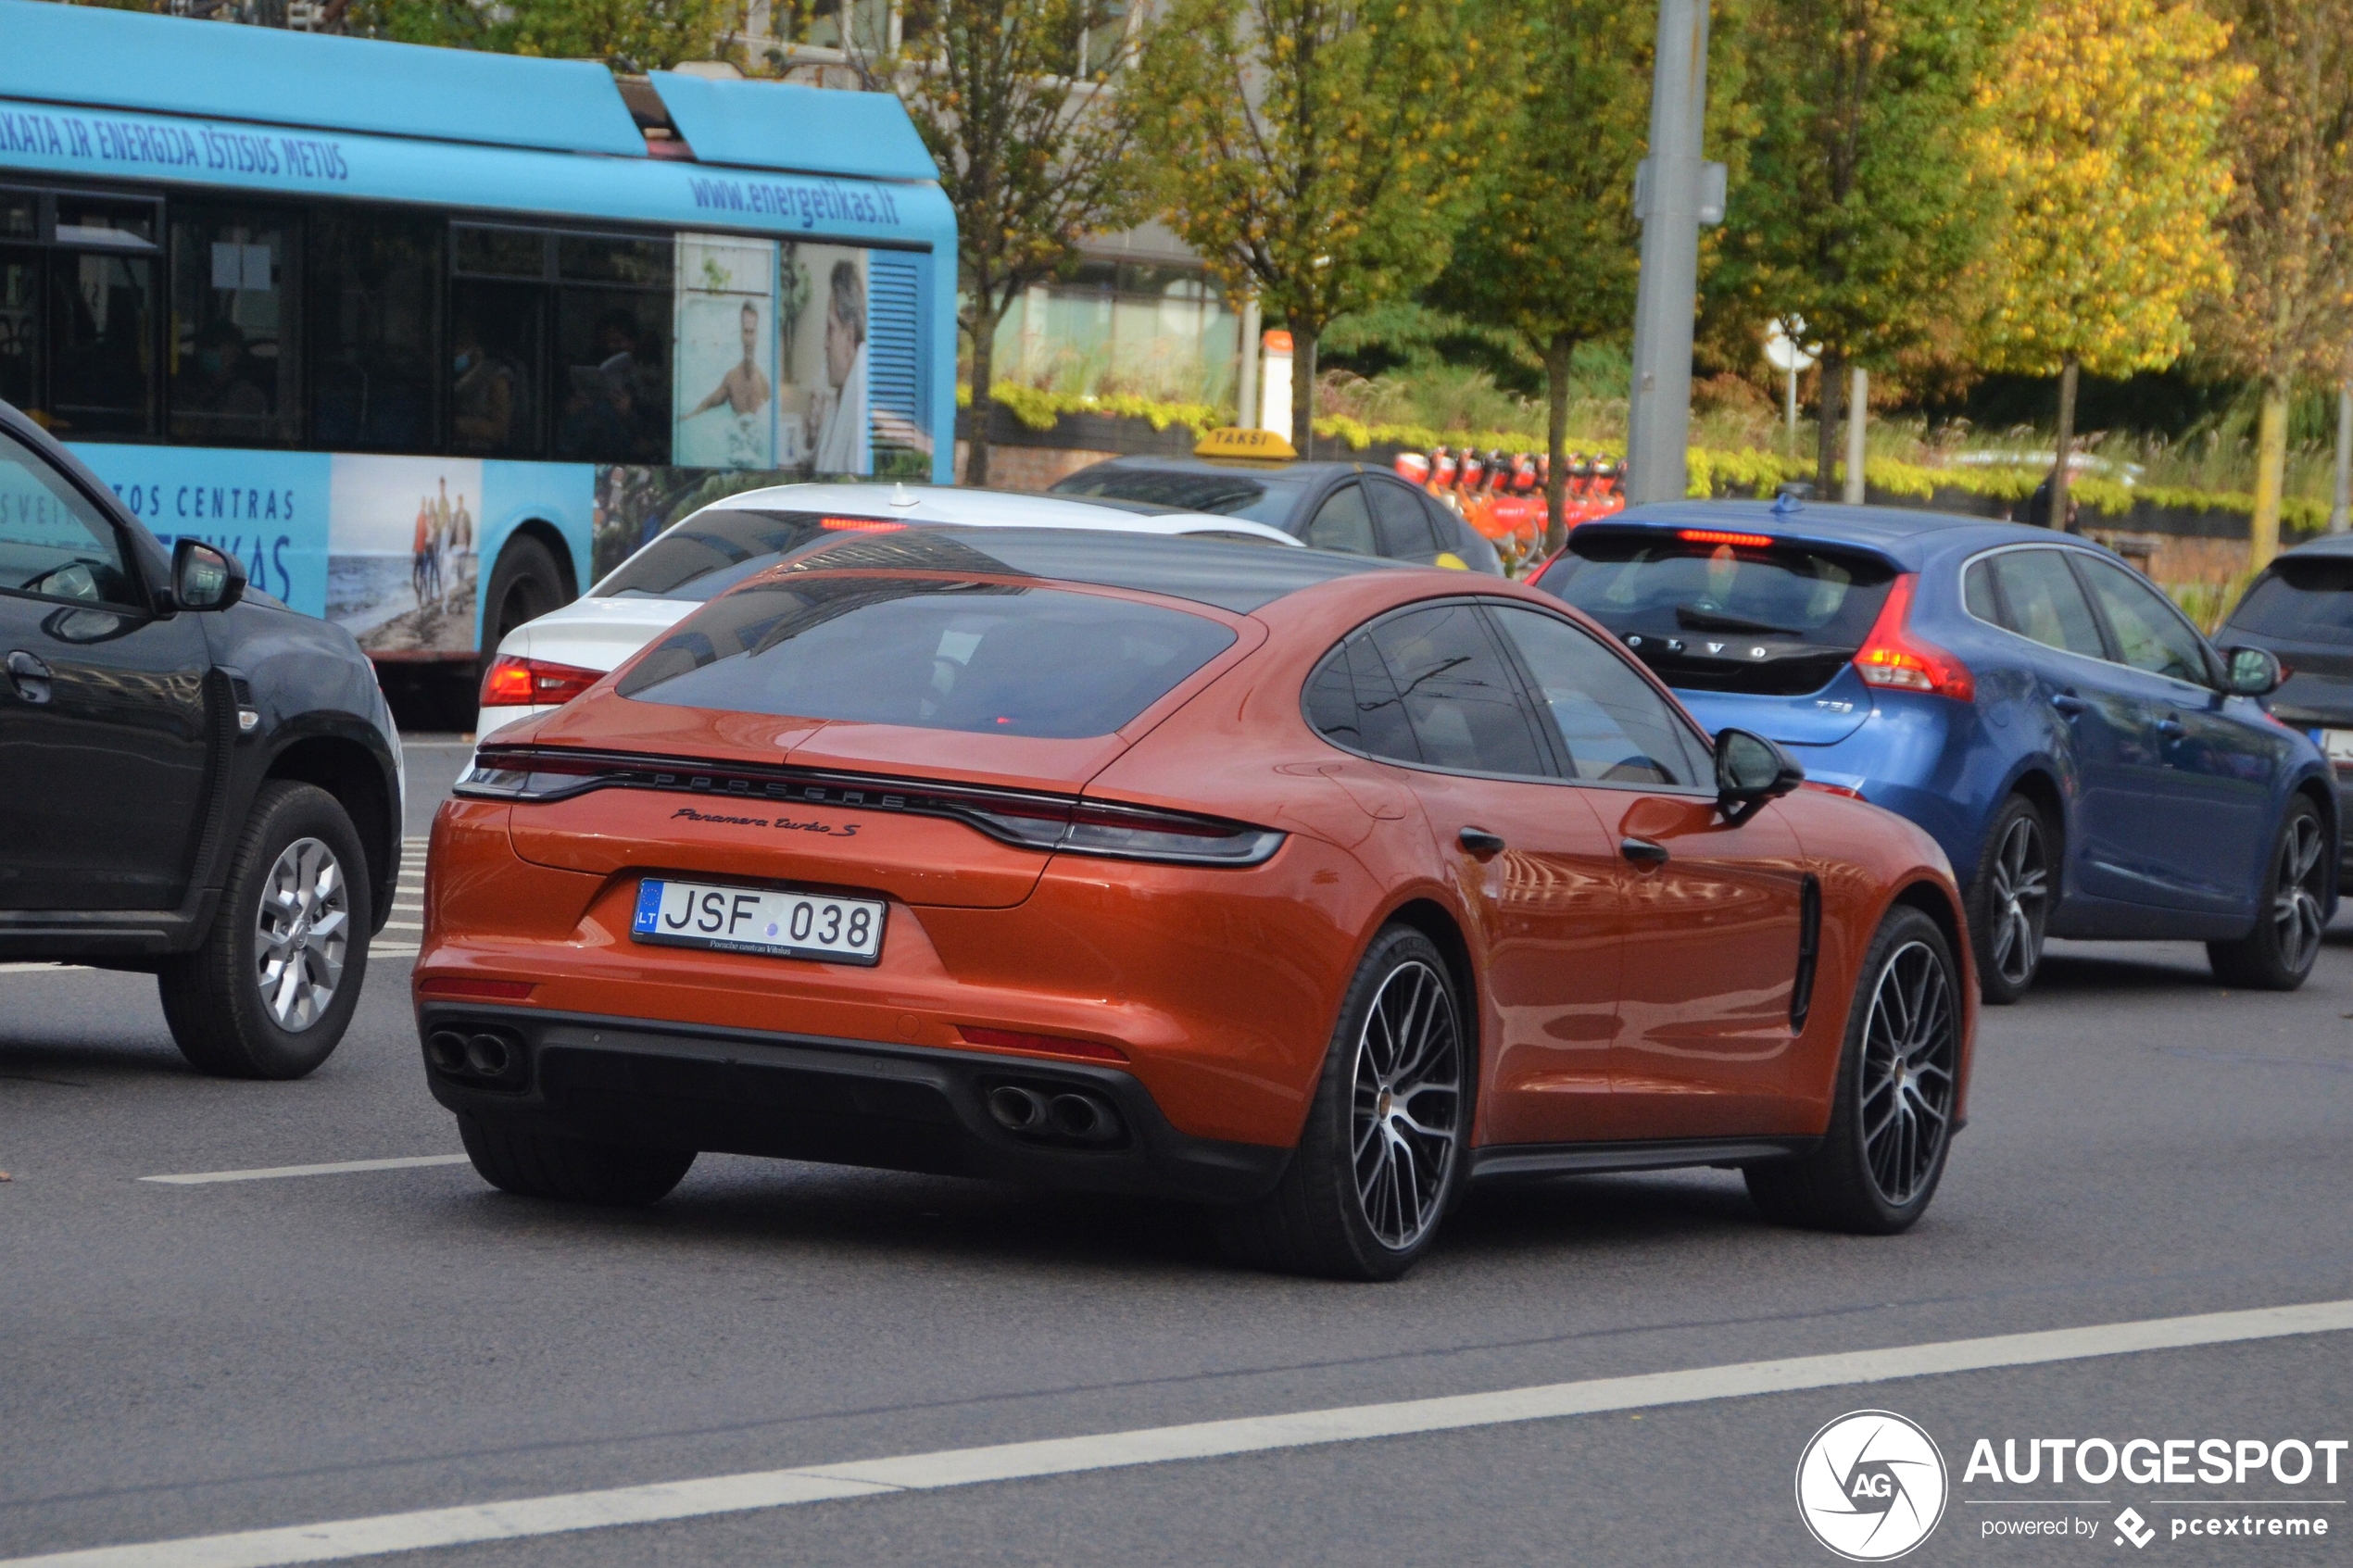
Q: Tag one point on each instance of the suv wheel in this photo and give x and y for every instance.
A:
(269, 993)
(2278, 954)
(1383, 1154)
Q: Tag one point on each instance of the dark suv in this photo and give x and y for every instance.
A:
(2300, 607)
(200, 783)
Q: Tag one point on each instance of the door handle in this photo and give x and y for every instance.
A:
(2068, 703)
(2171, 728)
(1642, 852)
(1478, 841)
(30, 676)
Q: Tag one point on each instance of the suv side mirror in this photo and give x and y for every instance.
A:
(2251, 671)
(204, 578)
(1750, 771)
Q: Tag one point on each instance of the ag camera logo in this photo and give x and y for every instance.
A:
(1871, 1486)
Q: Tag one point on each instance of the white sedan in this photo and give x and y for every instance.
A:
(545, 663)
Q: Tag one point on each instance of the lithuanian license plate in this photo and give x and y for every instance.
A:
(759, 919)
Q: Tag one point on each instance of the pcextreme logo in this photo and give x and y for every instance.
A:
(1871, 1486)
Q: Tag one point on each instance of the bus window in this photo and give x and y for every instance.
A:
(497, 340)
(612, 341)
(375, 319)
(235, 345)
(101, 344)
(20, 328)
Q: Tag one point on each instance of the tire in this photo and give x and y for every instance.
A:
(239, 1009)
(2009, 901)
(525, 585)
(517, 1158)
(1333, 1214)
(2278, 954)
(1876, 1183)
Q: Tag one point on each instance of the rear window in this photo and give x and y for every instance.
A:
(985, 658)
(2300, 601)
(1710, 616)
(711, 552)
(1258, 497)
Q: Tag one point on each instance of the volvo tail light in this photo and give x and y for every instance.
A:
(533, 683)
(1892, 655)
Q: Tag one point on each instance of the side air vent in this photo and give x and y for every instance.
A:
(899, 430)
(1809, 952)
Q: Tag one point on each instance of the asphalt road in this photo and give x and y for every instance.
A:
(178, 1360)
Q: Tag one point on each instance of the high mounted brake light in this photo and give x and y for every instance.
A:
(1893, 657)
(860, 524)
(1055, 824)
(1717, 536)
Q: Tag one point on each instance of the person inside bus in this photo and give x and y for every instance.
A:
(745, 387)
(483, 412)
(838, 414)
(600, 416)
(221, 385)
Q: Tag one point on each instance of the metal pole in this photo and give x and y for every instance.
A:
(1793, 403)
(1859, 407)
(1246, 381)
(1659, 419)
(2341, 515)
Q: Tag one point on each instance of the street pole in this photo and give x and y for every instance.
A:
(1792, 409)
(2341, 514)
(1659, 418)
(1858, 406)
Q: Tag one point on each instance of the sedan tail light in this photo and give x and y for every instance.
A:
(533, 683)
(1056, 824)
(1892, 655)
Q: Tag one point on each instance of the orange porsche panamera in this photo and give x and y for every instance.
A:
(1307, 886)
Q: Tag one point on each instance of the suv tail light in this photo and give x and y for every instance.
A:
(1892, 655)
(533, 683)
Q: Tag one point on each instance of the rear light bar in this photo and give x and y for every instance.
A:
(1054, 823)
(533, 683)
(1893, 657)
(1717, 536)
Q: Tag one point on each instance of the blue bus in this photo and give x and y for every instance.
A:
(429, 339)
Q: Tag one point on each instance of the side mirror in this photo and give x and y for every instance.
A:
(2251, 671)
(1750, 771)
(204, 578)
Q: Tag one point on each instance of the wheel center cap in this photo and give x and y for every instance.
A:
(1381, 1106)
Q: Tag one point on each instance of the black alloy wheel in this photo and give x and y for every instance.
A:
(1891, 1127)
(1385, 1147)
(2011, 901)
(2279, 953)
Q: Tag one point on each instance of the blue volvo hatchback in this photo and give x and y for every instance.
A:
(2090, 765)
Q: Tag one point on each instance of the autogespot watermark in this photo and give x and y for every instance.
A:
(1872, 1485)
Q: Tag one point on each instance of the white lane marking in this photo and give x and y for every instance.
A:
(271, 1172)
(404, 926)
(381, 951)
(337, 1540)
(28, 968)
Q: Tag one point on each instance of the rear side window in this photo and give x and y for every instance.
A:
(1342, 523)
(1613, 726)
(1397, 513)
(987, 658)
(1458, 693)
(709, 553)
(1777, 619)
(2038, 597)
(2308, 600)
(1352, 702)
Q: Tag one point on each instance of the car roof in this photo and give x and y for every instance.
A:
(1905, 534)
(943, 503)
(1239, 578)
(1299, 470)
(2326, 545)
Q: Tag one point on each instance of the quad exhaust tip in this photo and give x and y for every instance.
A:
(1054, 1116)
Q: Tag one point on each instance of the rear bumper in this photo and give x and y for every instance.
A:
(843, 1102)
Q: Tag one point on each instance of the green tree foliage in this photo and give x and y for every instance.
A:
(1551, 250)
(1322, 152)
(2289, 229)
(633, 35)
(1024, 106)
(1861, 212)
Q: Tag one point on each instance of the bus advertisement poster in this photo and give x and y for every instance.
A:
(724, 367)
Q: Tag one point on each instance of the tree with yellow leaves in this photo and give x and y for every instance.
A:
(2105, 136)
(2290, 224)
(1323, 152)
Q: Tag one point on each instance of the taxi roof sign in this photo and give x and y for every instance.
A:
(1236, 442)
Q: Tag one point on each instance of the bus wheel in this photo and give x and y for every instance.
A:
(525, 585)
